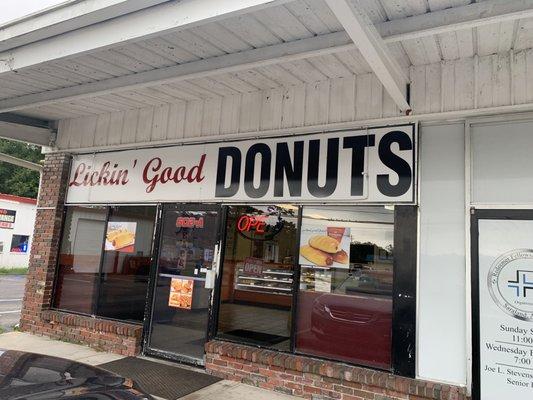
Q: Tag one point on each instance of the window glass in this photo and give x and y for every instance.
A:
(257, 276)
(20, 244)
(126, 262)
(345, 290)
(79, 258)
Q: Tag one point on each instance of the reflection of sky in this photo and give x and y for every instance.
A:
(367, 224)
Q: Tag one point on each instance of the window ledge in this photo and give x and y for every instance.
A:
(92, 323)
(301, 375)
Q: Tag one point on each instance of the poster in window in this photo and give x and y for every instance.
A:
(505, 301)
(120, 236)
(19, 244)
(181, 293)
(325, 246)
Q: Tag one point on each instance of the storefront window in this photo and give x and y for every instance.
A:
(20, 244)
(79, 258)
(104, 261)
(126, 263)
(257, 277)
(345, 291)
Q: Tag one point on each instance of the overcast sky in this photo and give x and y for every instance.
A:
(13, 9)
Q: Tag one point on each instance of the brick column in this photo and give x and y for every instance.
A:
(36, 316)
(46, 238)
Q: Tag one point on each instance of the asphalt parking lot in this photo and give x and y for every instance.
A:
(11, 292)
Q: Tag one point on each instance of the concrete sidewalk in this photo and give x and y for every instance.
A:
(227, 390)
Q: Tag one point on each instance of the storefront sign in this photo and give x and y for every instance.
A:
(7, 218)
(505, 310)
(374, 165)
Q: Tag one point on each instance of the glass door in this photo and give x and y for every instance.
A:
(185, 276)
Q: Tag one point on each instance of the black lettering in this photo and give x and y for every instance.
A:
(396, 163)
(292, 170)
(332, 168)
(249, 170)
(358, 145)
(224, 153)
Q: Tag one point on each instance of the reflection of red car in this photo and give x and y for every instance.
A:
(353, 328)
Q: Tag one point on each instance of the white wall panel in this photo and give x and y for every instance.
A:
(328, 101)
(502, 163)
(464, 84)
(441, 331)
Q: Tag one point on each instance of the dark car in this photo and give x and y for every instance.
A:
(32, 376)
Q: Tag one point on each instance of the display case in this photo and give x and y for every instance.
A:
(274, 281)
(263, 282)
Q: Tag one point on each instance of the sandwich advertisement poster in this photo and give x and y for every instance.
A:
(181, 293)
(120, 236)
(325, 246)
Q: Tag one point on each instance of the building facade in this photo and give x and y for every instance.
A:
(327, 198)
(17, 219)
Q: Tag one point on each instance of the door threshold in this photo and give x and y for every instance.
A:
(174, 360)
(172, 363)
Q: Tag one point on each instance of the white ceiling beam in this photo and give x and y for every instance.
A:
(65, 17)
(61, 46)
(428, 24)
(20, 162)
(455, 19)
(373, 49)
(27, 134)
(156, 20)
(278, 53)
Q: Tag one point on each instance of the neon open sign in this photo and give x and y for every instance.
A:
(262, 226)
(190, 222)
(252, 223)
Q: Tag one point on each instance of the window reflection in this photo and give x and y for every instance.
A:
(126, 263)
(79, 258)
(257, 276)
(345, 306)
(123, 246)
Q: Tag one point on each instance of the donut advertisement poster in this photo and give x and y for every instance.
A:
(120, 236)
(325, 246)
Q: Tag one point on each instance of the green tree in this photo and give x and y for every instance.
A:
(17, 180)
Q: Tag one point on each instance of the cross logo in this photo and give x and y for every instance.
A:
(523, 282)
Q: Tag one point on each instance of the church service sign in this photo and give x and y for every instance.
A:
(503, 360)
(368, 166)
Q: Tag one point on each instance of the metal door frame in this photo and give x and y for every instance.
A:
(212, 309)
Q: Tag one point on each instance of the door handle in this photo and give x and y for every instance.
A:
(212, 273)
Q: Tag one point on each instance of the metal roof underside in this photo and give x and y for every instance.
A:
(285, 23)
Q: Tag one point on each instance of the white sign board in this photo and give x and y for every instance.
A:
(505, 309)
(375, 165)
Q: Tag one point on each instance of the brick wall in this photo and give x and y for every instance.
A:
(317, 379)
(36, 316)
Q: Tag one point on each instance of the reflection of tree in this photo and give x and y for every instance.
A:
(360, 250)
(278, 219)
